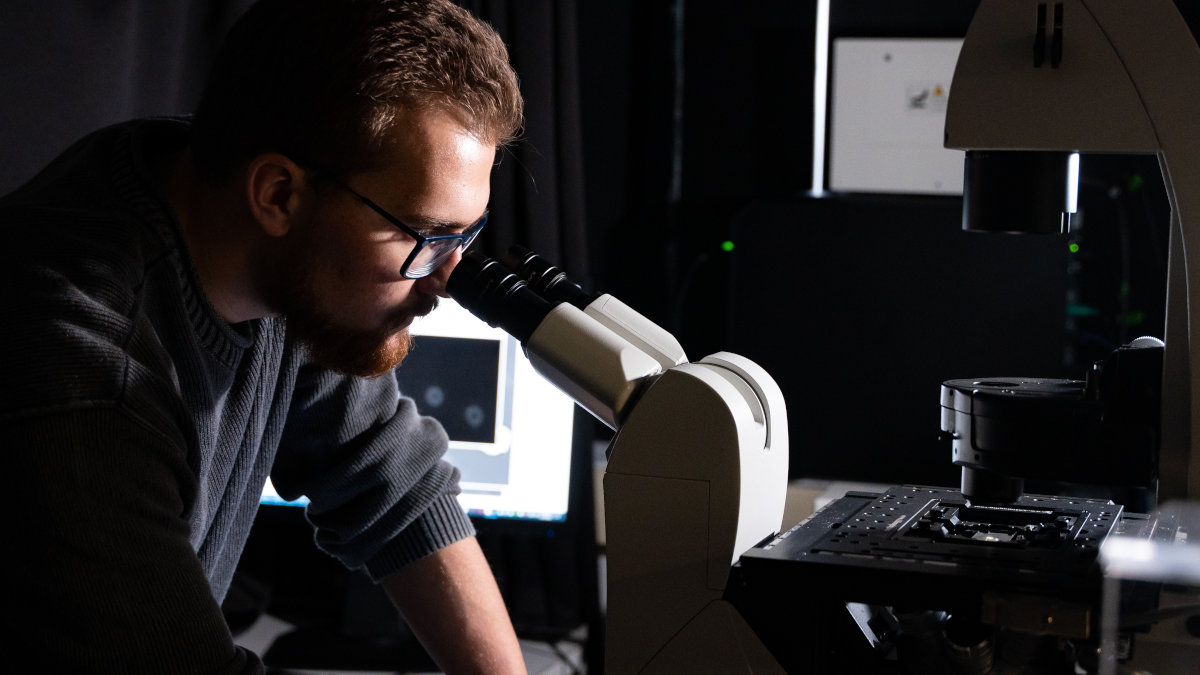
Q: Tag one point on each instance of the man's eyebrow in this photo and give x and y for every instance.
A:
(431, 226)
(436, 226)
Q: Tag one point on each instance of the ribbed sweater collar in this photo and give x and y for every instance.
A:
(133, 184)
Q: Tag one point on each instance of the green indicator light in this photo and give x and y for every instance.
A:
(1081, 311)
(1074, 248)
(1132, 318)
(727, 246)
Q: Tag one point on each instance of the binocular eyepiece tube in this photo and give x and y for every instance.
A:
(598, 367)
(490, 291)
(549, 281)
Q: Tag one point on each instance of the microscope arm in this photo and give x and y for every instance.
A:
(697, 470)
(696, 476)
(1127, 79)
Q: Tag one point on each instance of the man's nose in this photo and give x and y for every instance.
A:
(435, 283)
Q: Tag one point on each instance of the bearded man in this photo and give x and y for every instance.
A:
(196, 303)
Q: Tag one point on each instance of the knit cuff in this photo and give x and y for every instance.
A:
(442, 524)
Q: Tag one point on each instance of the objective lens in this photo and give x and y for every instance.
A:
(1020, 191)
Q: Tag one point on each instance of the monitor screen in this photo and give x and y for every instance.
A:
(511, 432)
(887, 116)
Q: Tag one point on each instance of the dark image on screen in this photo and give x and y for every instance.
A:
(454, 380)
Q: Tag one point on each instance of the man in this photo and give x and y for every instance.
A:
(195, 303)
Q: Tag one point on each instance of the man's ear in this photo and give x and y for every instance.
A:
(273, 191)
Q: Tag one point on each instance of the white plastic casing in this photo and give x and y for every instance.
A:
(590, 363)
(637, 329)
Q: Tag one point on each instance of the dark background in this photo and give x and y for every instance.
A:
(656, 132)
(699, 130)
(659, 130)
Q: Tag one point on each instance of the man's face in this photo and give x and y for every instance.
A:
(343, 294)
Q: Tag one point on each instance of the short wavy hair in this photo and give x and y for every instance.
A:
(322, 80)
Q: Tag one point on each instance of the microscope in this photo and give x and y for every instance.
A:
(990, 578)
(1036, 84)
(697, 470)
(983, 578)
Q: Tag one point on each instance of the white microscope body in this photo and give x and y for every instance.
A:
(1113, 76)
(697, 471)
(697, 474)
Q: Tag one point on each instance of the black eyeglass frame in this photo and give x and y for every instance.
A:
(464, 238)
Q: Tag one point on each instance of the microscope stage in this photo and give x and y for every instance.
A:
(930, 547)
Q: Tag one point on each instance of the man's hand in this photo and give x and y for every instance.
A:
(451, 602)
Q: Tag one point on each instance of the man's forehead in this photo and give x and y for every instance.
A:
(423, 129)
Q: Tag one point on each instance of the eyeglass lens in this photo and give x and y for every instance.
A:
(434, 253)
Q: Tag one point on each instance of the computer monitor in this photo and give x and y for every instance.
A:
(512, 433)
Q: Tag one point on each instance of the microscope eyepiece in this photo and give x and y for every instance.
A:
(490, 291)
(549, 281)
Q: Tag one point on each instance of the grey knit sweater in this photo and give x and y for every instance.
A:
(137, 429)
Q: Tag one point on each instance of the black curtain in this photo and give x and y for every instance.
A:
(70, 67)
(537, 189)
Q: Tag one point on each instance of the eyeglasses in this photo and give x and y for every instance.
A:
(431, 251)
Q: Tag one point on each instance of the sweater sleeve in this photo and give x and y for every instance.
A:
(380, 494)
(101, 576)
